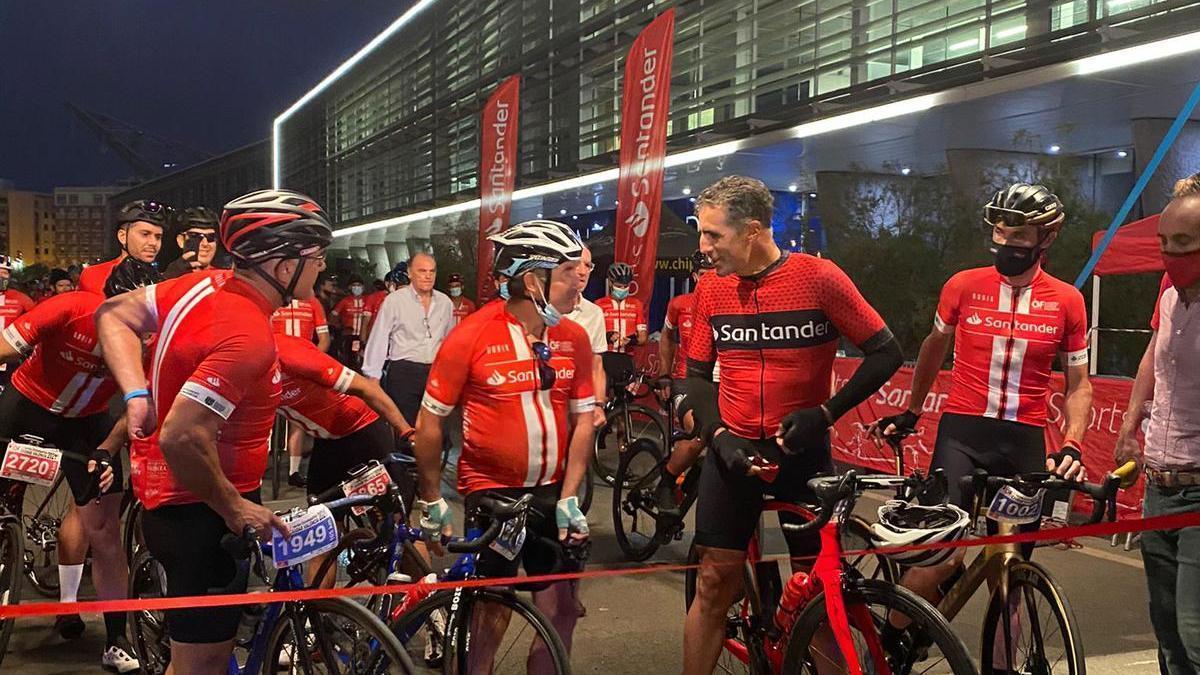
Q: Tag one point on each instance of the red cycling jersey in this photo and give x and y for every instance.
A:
(462, 307)
(93, 277)
(679, 324)
(352, 312)
(314, 391)
(13, 303)
(1005, 342)
(66, 373)
(514, 433)
(302, 319)
(623, 317)
(214, 347)
(775, 337)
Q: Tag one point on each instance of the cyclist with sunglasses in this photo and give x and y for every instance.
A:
(523, 376)
(201, 420)
(140, 226)
(1007, 322)
(196, 237)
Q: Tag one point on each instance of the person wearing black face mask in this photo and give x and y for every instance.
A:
(1008, 322)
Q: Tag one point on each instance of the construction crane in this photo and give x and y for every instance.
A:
(147, 154)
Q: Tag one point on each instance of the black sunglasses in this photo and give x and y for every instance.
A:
(997, 215)
(210, 237)
(546, 372)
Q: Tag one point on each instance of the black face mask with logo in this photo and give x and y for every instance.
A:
(1014, 261)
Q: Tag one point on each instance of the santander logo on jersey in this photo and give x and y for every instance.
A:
(974, 319)
(525, 376)
(773, 330)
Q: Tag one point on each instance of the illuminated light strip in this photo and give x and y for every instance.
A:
(334, 77)
(1152, 51)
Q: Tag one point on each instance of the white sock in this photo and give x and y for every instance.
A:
(294, 463)
(69, 577)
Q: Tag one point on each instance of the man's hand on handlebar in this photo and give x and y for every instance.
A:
(571, 521)
(1067, 463)
(893, 427)
(246, 514)
(101, 461)
(437, 522)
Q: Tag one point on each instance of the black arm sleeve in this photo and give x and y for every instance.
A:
(700, 398)
(882, 359)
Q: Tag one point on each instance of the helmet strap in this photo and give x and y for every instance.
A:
(284, 291)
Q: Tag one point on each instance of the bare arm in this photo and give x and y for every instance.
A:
(582, 433)
(427, 448)
(1079, 403)
(666, 352)
(323, 341)
(120, 324)
(933, 352)
(116, 438)
(375, 398)
(643, 336)
(1128, 447)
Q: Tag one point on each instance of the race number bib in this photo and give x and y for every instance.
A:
(313, 532)
(372, 480)
(30, 464)
(511, 538)
(1010, 505)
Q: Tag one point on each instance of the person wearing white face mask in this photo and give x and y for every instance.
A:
(351, 313)
(462, 305)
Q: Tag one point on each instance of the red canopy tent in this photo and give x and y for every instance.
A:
(1134, 249)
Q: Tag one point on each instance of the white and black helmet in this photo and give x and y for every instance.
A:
(1024, 204)
(534, 244)
(904, 524)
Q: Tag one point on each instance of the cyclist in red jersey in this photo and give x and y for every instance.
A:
(214, 384)
(351, 313)
(61, 394)
(140, 226)
(1007, 323)
(462, 306)
(13, 303)
(523, 376)
(772, 320)
(624, 323)
(303, 319)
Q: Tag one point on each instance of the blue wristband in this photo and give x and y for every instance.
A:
(137, 393)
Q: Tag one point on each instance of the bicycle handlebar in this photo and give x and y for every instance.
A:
(830, 490)
(1103, 494)
(500, 513)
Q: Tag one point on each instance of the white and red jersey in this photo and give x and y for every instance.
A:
(13, 303)
(462, 307)
(65, 373)
(1005, 341)
(623, 317)
(679, 324)
(314, 391)
(214, 347)
(300, 318)
(93, 277)
(515, 434)
(352, 313)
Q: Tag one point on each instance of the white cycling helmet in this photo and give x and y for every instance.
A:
(904, 524)
(534, 244)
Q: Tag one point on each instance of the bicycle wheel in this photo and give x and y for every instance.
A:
(634, 510)
(131, 531)
(42, 512)
(334, 635)
(736, 622)
(614, 438)
(927, 645)
(587, 490)
(1041, 626)
(11, 564)
(150, 638)
(444, 633)
(856, 536)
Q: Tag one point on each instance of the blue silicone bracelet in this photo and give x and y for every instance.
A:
(137, 393)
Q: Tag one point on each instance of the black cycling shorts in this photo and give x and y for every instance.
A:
(333, 458)
(729, 506)
(77, 437)
(186, 540)
(541, 552)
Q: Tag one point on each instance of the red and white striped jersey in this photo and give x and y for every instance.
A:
(14, 303)
(65, 373)
(353, 314)
(623, 317)
(314, 391)
(1006, 339)
(515, 434)
(302, 319)
(462, 309)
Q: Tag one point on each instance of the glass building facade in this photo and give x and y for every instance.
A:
(398, 130)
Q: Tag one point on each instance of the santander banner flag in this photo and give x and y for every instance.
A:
(497, 173)
(644, 108)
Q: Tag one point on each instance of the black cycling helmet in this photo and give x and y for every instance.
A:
(131, 274)
(273, 225)
(455, 278)
(197, 218)
(145, 211)
(620, 273)
(1023, 204)
(534, 244)
(398, 276)
(700, 262)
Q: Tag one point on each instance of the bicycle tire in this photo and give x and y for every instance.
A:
(410, 628)
(43, 510)
(587, 491)
(151, 640)
(633, 503)
(12, 562)
(1025, 580)
(934, 627)
(606, 459)
(314, 620)
(131, 530)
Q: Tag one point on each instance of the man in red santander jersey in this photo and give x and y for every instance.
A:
(13, 303)
(352, 315)
(1007, 323)
(350, 418)
(61, 395)
(140, 226)
(773, 320)
(462, 306)
(624, 323)
(302, 318)
(214, 384)
(523, 376)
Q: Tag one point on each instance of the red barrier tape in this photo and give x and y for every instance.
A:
(1169, 522)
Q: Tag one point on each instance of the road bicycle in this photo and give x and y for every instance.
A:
(626, 422)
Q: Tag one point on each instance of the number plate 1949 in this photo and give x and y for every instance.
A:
(313, 532)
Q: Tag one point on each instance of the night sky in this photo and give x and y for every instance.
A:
(210, 73)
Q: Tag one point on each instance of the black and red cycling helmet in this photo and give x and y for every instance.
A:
(273, 225)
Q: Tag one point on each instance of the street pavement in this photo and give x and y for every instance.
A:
(634, 624)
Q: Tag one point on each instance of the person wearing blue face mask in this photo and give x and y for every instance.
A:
(462, 305)
(624, 323)
(352, 315)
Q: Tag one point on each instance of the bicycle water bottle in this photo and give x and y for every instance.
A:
(795, 594)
